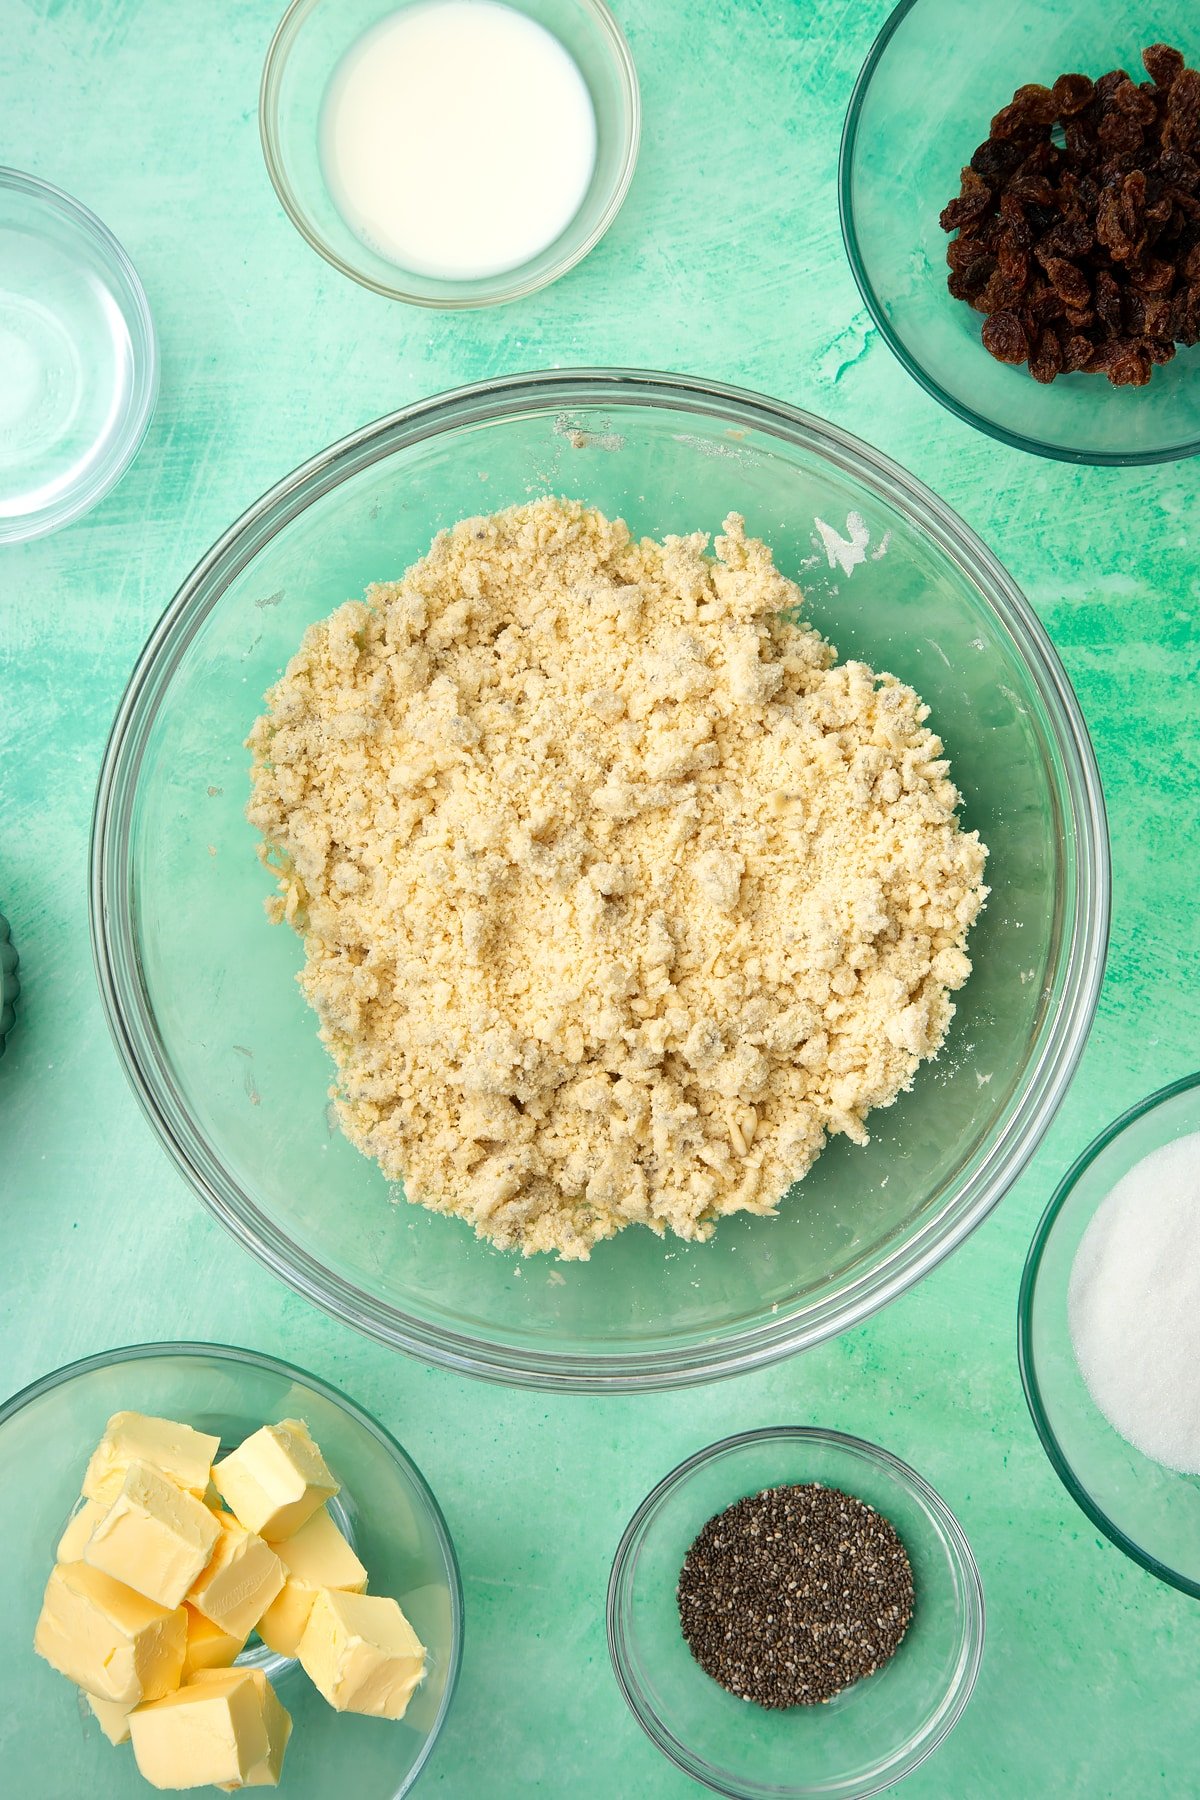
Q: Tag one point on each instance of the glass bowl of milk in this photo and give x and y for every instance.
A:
(450, 153)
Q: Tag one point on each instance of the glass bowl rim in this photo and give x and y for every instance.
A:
(143, 339)
(1027, 1362)
(972, 1588)
(277, 1365)
(1111, 459)
(508, 284)
(114, 947)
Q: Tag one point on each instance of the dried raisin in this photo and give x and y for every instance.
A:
(1077, 353)
(1004, 336)
(1072, 93)
(1047, 359)
(1162, 64)
(971, 204)
(1183, 110)
(1069, 283)
(1128, 365)
(1108, 299)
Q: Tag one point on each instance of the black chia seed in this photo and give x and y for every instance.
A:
(793, 1594)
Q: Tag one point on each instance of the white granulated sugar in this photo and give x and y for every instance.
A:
(1134, 1306)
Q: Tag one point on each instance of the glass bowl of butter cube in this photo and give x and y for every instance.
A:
(218, 1573)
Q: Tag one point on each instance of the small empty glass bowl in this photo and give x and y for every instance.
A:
(867, 1737)
(313, 37)
(46, 1435)
(1151, 1513)
(78, 360)
(935, 75)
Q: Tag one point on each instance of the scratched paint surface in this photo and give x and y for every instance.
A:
(725, 262)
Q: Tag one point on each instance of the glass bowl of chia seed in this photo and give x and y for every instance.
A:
(1146, 1509)
(869, 1735)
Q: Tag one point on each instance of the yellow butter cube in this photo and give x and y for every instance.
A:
(241, 1580)
(276, 1480)
(277, 1722)
(282, 1625)
(361, 1652)
(225, 1728)
(176, 1451)
(112, 1642)
(154, 1537)
(320, 1554)
(112, 1716)
(208, 1647)
(80, 1527)
(317, 1556)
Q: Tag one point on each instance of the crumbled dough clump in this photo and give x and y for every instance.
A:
(618, 893)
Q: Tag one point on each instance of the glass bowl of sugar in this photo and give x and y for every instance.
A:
(450, 153)
(1109, 1333)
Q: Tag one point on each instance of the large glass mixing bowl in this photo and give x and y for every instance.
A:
(223, 1053)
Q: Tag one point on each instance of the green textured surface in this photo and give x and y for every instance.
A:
(725, 262)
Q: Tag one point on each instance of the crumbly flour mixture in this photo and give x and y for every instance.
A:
(618, 893)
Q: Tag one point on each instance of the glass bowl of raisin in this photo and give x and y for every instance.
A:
(1020, 201)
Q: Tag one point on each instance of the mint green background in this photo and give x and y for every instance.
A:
(726, 261)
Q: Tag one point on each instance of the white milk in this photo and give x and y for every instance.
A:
(458, 138)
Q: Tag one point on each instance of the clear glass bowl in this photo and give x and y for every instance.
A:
(46, 1435)
(1151, 1513)
(935, 75)
(78, 359)
(311, 40)
(223, 1053)
(864, 1739)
